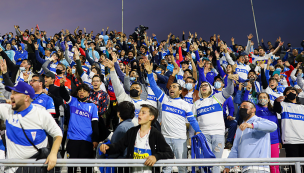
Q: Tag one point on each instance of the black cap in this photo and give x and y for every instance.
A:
(50, 74)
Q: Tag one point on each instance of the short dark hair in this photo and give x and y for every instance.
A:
(249, 102)
(194, 81)
(41, 79)
(136, 83)
(188, 70)
(153, 111)
(145, 47)
(126, 109)
(28, 61)
(289, 88)
(97, 77)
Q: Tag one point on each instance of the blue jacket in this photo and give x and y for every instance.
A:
(264, 112)
(20, 54)
(253, 143)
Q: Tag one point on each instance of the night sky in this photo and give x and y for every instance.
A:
(229, 18)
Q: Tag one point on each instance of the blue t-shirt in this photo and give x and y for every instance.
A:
(82, 114)
(44, 101)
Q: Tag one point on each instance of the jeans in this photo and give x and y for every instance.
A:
(216, 144)
(61, 123)
(179, 148)
(232, 126)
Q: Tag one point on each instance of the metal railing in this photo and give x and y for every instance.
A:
(63, 163)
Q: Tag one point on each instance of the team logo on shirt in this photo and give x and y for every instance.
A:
(40, 101)
(82, 113)
(33, 135)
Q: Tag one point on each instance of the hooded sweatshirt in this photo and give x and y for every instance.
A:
(20, 55)
(209, 110)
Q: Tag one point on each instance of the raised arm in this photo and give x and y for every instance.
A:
(9, 62)
(118, 88)
(277, 49)
(157, 91)
(300, 79)
(39, 59)
(45, 65)
(228, 91)
(264, 125)
(6, 79)
(263, 77)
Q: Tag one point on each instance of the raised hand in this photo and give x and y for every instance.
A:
(281, 43)
(76, 52)
(298, 65)
(217, 55)
(114, 56)
(175, 71)
(262, 41)
(36, 46)
(128, 69)
(232, 39)
(3, 65)
(148, 66)
(249, 36)
(110, 64)
(201, 63)
(287, 64)
(85, 30)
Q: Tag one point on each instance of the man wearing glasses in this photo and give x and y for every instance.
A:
(41, 99)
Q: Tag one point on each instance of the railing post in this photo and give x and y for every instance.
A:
(298, 167)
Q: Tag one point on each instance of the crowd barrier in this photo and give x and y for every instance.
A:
(236, 164)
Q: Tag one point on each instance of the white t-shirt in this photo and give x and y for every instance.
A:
(142, 150)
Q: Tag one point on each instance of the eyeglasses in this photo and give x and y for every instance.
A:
(34, 81)
(205, 85)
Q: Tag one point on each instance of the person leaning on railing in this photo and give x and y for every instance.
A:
(143, 141)
(22, 117)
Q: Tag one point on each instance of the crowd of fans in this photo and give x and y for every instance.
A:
(98, 86)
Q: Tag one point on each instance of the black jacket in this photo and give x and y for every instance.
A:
(54, 92)
(159, 147)
(13, 68)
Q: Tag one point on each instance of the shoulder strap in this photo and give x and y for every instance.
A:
(28, 138)
(218, 102)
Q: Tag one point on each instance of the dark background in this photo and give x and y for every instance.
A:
(229, 18)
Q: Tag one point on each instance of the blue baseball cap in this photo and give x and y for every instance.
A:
(22, 87)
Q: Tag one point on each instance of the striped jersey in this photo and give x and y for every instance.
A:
(175, 113)
(209, 114)
(292, 123)
(37, 123)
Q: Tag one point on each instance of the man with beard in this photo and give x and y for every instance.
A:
(22, 118)
(253, 130)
